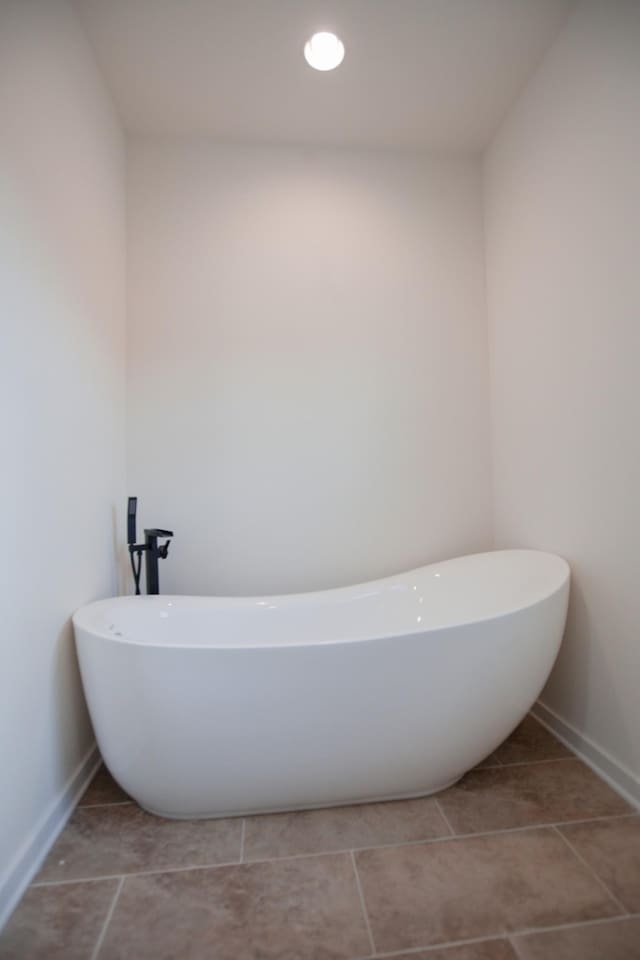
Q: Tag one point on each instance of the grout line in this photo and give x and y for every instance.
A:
(107, 921)
(110, 803)
(516, 949)
(571, 925)
(149, 873)
(591, 870)
(409, 951)
(243, 831)
(326, 853)
(444, 817)
(612, 816)
(499, 935)
(66, 882)
(365, 913)
(520, 763)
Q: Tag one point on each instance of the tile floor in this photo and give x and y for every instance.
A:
(529, 857)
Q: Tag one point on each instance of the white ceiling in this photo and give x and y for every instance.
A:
(431, 73)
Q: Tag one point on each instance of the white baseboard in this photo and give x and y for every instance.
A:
(623, 781)
(28, 860)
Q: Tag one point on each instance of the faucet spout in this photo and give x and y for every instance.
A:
(153, 553)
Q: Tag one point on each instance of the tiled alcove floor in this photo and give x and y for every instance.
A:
(529, 857)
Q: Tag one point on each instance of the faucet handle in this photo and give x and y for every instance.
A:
(163, 551)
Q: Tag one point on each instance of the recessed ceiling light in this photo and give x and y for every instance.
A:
(324, 51)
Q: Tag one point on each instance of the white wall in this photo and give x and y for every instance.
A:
(62, 247)
(308, 397)
(563, 246)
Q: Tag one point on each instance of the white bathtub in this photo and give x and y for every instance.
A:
(206, 706)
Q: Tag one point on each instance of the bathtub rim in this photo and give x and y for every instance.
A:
(129, 600)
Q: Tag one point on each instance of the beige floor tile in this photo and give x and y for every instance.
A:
(103, 789)
(300, 909)
(58, 923)
(342, 828)
(530, 741)
(618, 940)
(520, 796)
(482, 950)
(432, 893)
(490, 761)
(101, 841)
(612, 849)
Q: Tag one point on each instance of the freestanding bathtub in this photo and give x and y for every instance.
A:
(207, 706)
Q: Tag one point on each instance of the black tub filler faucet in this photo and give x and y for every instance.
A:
(152, 551)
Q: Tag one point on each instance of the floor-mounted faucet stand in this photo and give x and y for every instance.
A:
(152, 551)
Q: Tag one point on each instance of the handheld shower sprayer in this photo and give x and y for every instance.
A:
(132, 507)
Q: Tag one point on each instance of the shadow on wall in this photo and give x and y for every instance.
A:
(68, 711)
(582, 662)
(120, 556)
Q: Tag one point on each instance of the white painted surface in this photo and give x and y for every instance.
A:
(210, 706)
(563, 208)
(45, 831)
(62, 246)
(626, 783)
(434, 73)
(308, 396)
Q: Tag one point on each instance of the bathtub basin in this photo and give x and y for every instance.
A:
(208, 706)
